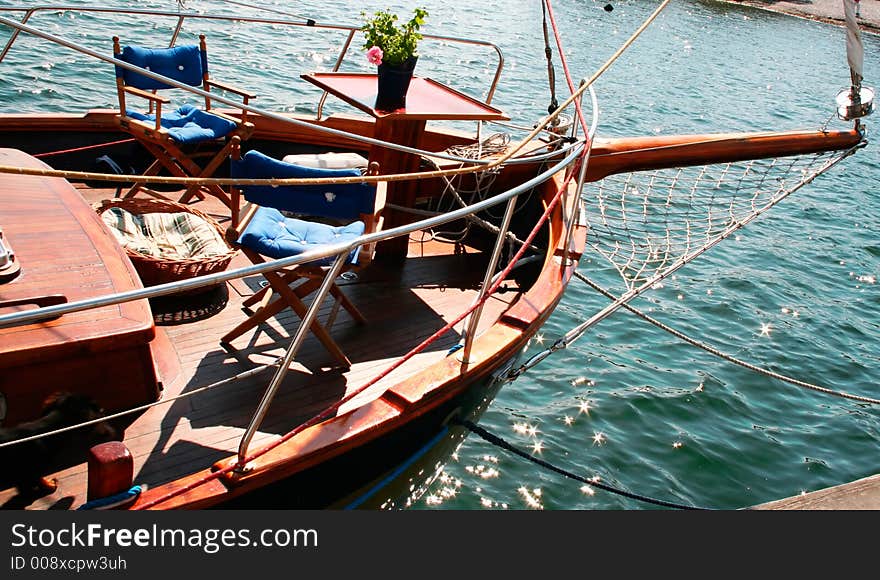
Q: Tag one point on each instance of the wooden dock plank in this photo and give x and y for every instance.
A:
(862, 494)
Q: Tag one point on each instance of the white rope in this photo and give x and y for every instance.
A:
(647, 238)
(727, 357)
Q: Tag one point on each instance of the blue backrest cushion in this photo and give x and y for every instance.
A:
(345, 201)
(185, 64)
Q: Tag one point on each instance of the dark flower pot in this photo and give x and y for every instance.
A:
(393, 84)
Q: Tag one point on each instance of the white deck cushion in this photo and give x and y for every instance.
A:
(328, 160)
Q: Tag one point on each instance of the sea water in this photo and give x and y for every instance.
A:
(794, 292)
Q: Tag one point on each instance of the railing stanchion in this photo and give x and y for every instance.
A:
(15, 33)
(289, 354)
(177, 30)
(336, 66)
(474, 318)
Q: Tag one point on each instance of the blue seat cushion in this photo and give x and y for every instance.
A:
(272, 234)
(189, 124)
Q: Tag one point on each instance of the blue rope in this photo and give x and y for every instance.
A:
(112, 500)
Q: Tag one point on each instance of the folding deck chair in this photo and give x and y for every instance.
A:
(177, 138)
(266, 231)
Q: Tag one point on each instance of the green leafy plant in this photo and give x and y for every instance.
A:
(386, 42)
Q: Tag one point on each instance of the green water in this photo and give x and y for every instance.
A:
(627, 402)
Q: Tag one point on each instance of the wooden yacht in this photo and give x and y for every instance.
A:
(335, 377)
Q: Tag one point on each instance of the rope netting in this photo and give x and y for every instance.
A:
(649, 223)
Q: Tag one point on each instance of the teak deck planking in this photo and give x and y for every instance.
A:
(175, 438)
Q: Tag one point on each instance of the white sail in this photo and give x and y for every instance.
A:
(855, 51)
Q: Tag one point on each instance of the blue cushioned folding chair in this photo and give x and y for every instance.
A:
(175, 138)
(263, 232)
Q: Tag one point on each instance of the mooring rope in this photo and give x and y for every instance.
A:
(499, 442)
(727, 357)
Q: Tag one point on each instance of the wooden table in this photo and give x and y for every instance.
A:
(66, 253)
(426, 100)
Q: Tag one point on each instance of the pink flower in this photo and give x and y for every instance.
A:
(374, 55)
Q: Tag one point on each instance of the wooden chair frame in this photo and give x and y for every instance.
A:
(280, 282)
(169, 154)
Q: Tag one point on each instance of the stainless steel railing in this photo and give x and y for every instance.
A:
(570, 152)
(183, 17)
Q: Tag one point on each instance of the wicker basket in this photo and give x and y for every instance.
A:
(153, 270)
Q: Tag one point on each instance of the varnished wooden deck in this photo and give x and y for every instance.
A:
(403, 305)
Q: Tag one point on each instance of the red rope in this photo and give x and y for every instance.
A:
(84, 148)
(329, 411)
(565, 69)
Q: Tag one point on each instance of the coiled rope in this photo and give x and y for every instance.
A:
(499, 442)
(494, 144)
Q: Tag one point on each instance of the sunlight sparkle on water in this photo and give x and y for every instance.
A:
(525, 429)
(568, 420)
(583, 381)
(585, 407)
(443, 494)
(765, 329)
(588, 490)
(599, 438)
(532, 497)
(482, 471)
(489, 473)
(537, 447)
